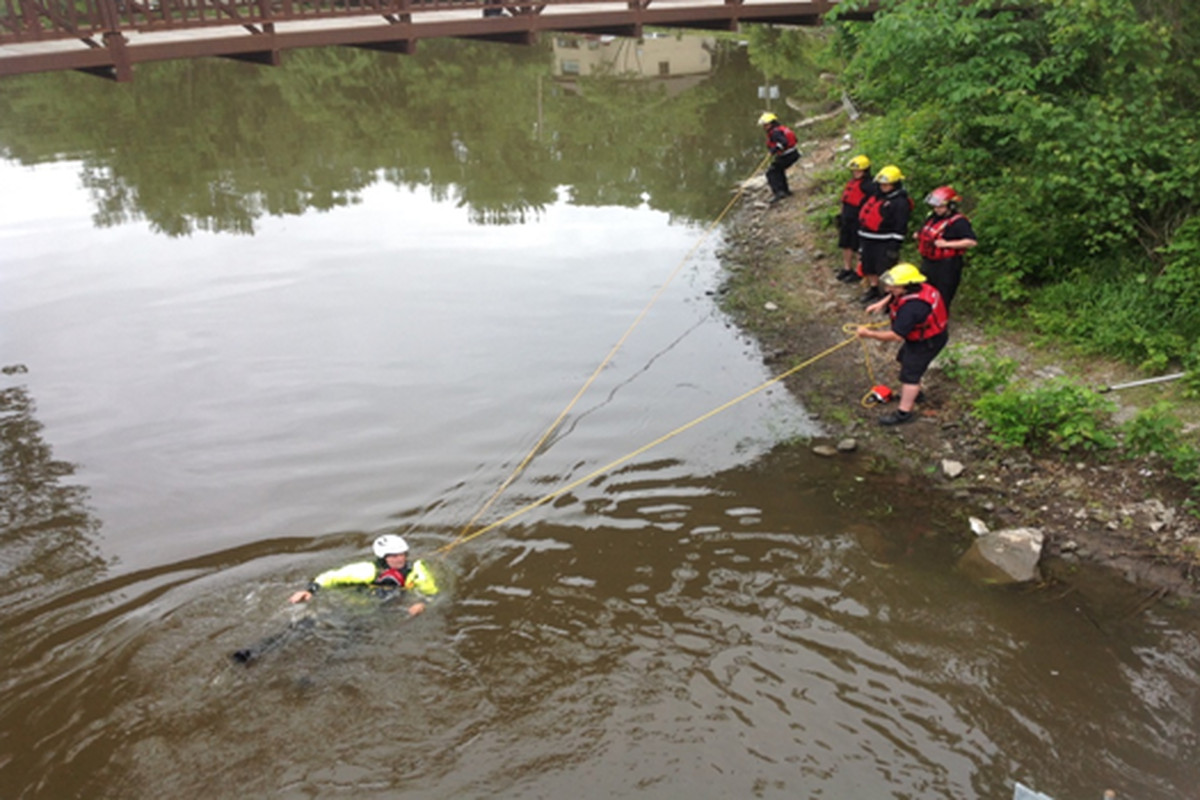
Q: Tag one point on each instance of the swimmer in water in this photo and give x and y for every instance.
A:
(390, 575)
(390, 570)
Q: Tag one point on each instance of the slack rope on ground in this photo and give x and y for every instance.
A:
(872, 396)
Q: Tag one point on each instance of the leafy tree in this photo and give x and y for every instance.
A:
(1070, 125)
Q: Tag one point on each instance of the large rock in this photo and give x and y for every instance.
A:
(1007, 556)
(951, 468)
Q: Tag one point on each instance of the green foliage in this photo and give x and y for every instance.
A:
(1072, 129)
(794, 54)
(1180, 277)
(1060, 414)
(1125, 315)
(979, 370)
(1152, 431)
(1184, 461)
(1156, 431)
(1191, 377)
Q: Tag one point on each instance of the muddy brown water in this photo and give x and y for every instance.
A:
(196, 421)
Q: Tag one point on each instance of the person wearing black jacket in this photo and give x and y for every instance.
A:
(883, 227)
(943, 240)
(781, 141)
(920, 322)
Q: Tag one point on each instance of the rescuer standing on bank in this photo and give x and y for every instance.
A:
(883, 227)
(854, 194)
(920, 322)
(943, 240)
(781, 141)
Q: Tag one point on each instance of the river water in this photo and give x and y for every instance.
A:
(253, 318)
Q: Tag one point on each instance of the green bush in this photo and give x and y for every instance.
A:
(978, 370)
(1191, 377)
(1156, 431)
(1119, 313)
(1060, 414)
(1153, 431)
(1185, 464)
(1071, 130)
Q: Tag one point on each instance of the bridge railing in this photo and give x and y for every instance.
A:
(40, 20)
(45, 20)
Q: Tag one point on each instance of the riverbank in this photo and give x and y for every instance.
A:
(1128, 515)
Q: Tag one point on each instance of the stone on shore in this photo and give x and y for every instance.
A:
(1002, 557)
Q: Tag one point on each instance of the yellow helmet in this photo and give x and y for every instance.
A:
(767, 118)
(902, 275)
(889, 174)
(859, 162)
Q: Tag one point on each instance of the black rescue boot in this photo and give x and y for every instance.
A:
(897, 417)
(872, 294)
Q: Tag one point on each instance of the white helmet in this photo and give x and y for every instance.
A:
(389, 545)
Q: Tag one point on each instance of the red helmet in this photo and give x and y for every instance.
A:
(943, 196)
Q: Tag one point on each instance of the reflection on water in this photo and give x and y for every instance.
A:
(675, 63)
(47, 542)
(215, 146)
(726, 616)
(48, 552)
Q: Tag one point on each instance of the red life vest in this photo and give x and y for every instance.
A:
(933, 324)
(393, 577)
(788, 135)
(870, 216)
(853, 194)
(930, 232)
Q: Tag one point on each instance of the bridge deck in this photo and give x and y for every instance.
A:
(261, 35)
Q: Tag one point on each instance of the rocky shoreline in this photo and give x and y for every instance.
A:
(780, 288)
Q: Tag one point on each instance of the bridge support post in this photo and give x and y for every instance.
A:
(268, 57)
(122, 68)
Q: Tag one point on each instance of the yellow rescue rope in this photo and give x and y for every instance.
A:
(611, 353)
(466, 535)
(463, 539)
(870, 398)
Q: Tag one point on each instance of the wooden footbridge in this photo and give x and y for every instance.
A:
(108, 37)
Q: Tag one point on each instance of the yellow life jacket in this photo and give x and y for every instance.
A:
(421, 580)
(349, 575)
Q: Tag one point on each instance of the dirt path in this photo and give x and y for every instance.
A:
(1129, 515)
